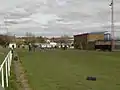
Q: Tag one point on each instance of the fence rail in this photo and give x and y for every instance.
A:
(5, 70)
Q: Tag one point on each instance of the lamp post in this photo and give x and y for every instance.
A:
(112, 25)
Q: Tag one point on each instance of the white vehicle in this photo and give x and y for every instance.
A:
(53, 44)
(48, 46)
(43, 45)
(12, 44)
(72, 47)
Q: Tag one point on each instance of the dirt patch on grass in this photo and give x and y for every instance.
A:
(19, 71)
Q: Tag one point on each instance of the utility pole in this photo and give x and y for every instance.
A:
(112, 25)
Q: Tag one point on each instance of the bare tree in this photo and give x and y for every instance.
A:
(64, 38)
(30, 37)
(5, 40)
(40, 39)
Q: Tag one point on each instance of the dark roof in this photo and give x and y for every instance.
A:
(97, 32)
(81, 34)
(102, 32)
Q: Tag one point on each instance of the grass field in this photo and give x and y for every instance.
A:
(3, 53)
(67, 70)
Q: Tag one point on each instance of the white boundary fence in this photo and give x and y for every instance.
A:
(5, 66)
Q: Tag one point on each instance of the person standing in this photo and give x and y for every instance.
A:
(29, 46)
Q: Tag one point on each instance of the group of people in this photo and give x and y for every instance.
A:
(31, 47)
(64, 47)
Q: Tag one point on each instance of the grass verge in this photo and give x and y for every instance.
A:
(12, 80)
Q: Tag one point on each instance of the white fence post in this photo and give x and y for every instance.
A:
(9, 66)
(2, 77)
(6, 66)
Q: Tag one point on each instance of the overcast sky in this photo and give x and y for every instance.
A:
(57, 17)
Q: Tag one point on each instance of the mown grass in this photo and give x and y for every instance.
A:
(12, 80)
(13, 83)
(67, 70)
(3, 53)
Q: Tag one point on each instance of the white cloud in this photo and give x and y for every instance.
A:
(43, 18)
(61, 2)
(55, 17)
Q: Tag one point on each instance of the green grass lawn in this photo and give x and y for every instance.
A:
(67, 70)
(3, 53)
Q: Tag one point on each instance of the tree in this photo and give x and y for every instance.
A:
(5, 40)
(40, 39)
(64, 39)
(30, 38)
